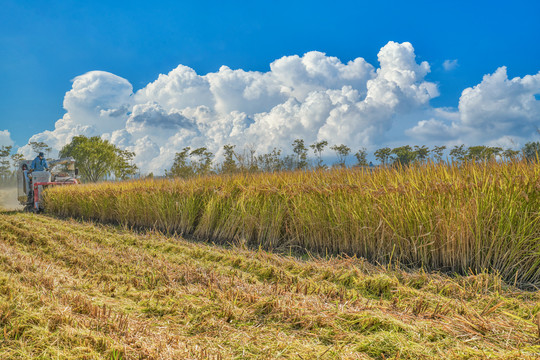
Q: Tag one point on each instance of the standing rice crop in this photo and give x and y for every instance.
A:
(459, 218)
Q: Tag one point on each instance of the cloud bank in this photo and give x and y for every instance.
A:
(498, 111)
(314, 97)
(5, 138)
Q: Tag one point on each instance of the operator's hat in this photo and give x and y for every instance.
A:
(41, 154)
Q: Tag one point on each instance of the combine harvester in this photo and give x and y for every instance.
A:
(30, 185)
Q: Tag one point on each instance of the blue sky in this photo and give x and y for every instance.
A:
(46, 44)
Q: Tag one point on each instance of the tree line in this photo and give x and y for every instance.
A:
(194, 162)
(98, 159)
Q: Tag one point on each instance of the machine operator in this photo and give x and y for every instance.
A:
(39, 163)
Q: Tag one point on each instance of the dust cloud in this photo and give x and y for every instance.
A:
(8, 199)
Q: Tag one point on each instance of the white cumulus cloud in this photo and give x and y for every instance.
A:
(5, 138)
(97, 104)
(314, 97)
(499, 111)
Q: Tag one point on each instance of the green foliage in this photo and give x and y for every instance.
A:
(531, 151)
(124, 167)
(342, 151)
(510, 154)
(229, 165)
(40, 146)
(97, 158)
(247, 160)
(318, 148)
(181, 167)
(404, 155)
(361, 157)
(202, 162)
(476, 153)
(288, 162)
(458, 153)
(300, 151)
(482, 153)
(16, 158)
(5, 152)
(383, 155)
(188, 163)
(492, 152)
(271, 162)
(421, 152)
(438, 152)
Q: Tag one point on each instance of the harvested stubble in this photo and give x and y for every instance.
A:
(462, 218)
(71, 290)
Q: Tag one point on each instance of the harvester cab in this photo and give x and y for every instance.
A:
(30, 184)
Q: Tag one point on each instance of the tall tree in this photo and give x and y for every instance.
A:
(531, 151)
(491, 152)
(301, 153)
(270, 162)
(229, 165)
(97, 158)
(458, 153)
(5, 152)
(510, 154)
(404, 155)
(476, 153)
(181, 166)
(438, 152)
(482, 153)
(421, 152)
(16, 158)
(203, 160)
(342, 151)
(383, 155)
(124, 167)
(318, 148)
(361, 157)
(40, 146)
(247, 160)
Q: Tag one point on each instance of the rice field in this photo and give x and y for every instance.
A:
(466, 218)
(80, 290)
